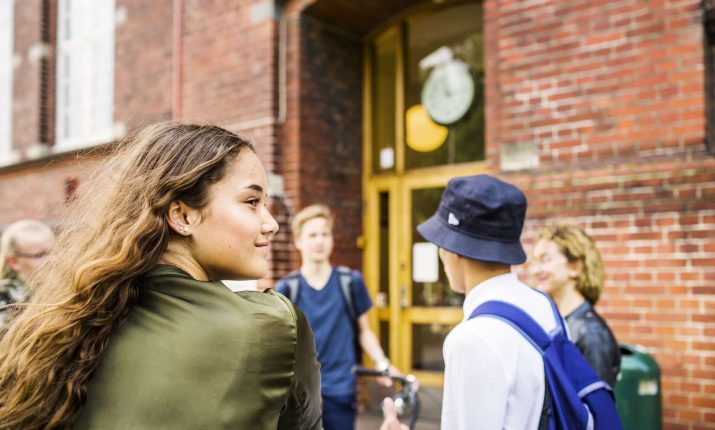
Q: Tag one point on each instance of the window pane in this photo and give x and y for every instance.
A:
(103, 117)
(66, 11)
(82, 17)
(385, 336)
(66, 66)
(102, 15)
(383, 103)
(437, 293)
(75, 108)
(86, 71)
(382, 300)
(65, 126)
(66, 96)
(6, 78)
(444, 103)
(427, 340)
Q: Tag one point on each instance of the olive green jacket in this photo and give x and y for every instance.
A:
(195, 355)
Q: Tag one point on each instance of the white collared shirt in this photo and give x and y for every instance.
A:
(494, 378)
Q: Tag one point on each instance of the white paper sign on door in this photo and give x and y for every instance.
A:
(425, 262)
(387, 158)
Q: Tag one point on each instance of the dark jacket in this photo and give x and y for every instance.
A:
(596, 342)
(194, 355)
(12, 290)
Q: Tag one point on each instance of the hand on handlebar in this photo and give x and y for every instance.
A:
(386, 380)
(391, 421)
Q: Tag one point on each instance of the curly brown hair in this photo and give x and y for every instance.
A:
(118, 231)
(577, 246)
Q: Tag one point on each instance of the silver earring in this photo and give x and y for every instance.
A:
(185, 229)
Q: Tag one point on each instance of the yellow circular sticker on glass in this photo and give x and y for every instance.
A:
(423, 134)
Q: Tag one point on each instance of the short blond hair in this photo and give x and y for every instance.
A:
(308, 213)
(577, 246)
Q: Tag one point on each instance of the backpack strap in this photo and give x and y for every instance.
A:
(346, 277)
(518, 319)
(345, 274)
(292, 281)
(532, 331)
(557, 314)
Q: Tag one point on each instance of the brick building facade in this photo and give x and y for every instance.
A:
(597, 109)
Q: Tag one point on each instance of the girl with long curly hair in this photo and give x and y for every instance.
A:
(130, 326)
(567, 265)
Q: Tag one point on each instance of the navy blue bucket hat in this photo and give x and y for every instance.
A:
(479, 217)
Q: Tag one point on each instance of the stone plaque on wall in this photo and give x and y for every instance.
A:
(518, 156)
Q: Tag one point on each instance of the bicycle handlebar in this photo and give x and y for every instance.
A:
(408, 398)
(366, 371)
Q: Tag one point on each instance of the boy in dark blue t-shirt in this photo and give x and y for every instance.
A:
(335, 301)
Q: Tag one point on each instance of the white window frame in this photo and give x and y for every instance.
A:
(7, 40)
(86, 117)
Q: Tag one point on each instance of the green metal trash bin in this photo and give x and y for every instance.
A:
(637, 391)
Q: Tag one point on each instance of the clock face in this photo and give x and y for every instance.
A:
(448, 93)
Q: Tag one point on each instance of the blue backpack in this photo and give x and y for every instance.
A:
(576, 397)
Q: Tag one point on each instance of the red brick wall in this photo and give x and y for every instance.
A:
(229, 69)
(320, 145)
(142, 95)
(593, 81)
(656, 230)
(331, 131)
(26, 77)
(289, 146)
(612, 95)
(143, 63)
(38, 191)
(229, 78)
(48, 71)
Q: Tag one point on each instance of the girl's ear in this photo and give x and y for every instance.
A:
(182, 218)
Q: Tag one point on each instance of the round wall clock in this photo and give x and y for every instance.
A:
(448, 92)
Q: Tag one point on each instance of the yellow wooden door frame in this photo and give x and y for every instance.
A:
(399, 185)
(402, 318)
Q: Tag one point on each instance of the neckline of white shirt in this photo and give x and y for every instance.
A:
(477, 295)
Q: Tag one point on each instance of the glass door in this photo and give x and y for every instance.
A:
(415, 306)
(429, 308)
(424, 124)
